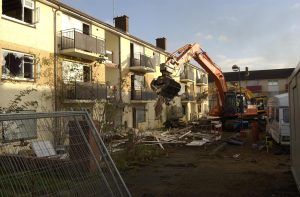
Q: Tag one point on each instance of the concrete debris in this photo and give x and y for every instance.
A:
(193, 134)
(236, 156)
(197, 142)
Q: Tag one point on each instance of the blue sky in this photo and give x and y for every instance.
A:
(260, 34)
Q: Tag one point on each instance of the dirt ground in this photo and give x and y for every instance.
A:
(232, 171)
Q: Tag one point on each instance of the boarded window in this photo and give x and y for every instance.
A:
(76, 72)
(17, 65)
(140, 114)
(138, 82)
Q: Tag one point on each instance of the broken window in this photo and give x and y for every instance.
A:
(140, 114)
(17, 65)
(19, 9)
(76, 72)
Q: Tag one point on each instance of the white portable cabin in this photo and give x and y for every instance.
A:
(278, 125)
(294, 101)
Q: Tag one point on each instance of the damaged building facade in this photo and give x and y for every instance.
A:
(26, 39)
(76, 62)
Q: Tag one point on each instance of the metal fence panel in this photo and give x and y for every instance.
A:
(67, 157)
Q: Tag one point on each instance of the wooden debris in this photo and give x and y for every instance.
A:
(195, 134)
(197, 143)
(161, 146)
(184, 134)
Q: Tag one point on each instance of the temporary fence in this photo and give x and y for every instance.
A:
(55, 154)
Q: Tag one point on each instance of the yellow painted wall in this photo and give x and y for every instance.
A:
(98, 31)
(43, 95)
(125, 54)
(112, 76)
(40, 36)
(148, 52)
(112, 42)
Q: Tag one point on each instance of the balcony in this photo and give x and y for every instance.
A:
(187, 97)
(85, 91)
(142, 64)
(75, 43)
(187, 76)
(201, 96)
(202, 81)
(143, 95)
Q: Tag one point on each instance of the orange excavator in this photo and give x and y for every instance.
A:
(230, 103)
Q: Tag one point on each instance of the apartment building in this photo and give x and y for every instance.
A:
(193, 94)
(76, 62)
(261, 82)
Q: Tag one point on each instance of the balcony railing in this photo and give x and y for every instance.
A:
(143, 95)
(142, 63)
(202, 81)
(86, 91)
(75, 39)
(187, 97)
(201, 96)
(187, 75)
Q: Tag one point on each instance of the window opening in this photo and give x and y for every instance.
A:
(19, 9)
(17, 65)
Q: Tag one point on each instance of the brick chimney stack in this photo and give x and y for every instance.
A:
(161, 43)
(122, 23)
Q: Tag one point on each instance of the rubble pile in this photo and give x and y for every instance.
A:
(194, 134)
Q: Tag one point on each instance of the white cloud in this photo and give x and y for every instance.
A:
(253, 63)
(209, 37)
(198, 34)
(223, 38)
(295, 6)
(201, 35)
(230, 19)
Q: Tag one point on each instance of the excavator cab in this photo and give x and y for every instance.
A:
(231, 104)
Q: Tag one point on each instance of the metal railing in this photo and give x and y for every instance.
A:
(143, 95)
(142, 60)
(85, 91)
(187, 97)
(202, 80)
(201, 96)
(73, 38)
(187, 74)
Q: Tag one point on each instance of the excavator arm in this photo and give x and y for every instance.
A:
(184, 55)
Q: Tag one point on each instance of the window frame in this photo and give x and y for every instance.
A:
(8, 76)
(138, 82)
(285, 115)
(140, 119)
(34, 14)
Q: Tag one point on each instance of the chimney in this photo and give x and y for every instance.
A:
(122, 22)
(161, 43)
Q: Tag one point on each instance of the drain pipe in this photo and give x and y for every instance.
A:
(55, 60)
